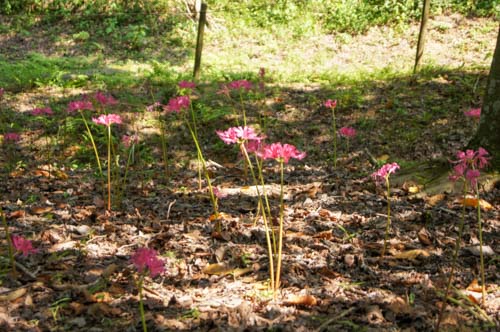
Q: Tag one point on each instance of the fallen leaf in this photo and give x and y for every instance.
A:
(327, 235)
(399, 306)
(433, 200)
(413, 189)
(13, 295)
(41, 172)
(303, 300)
(412, 254)
(424, 237)
(474, 286)
(218, 269)
(17, 214)
(473, 202)
(41, 209)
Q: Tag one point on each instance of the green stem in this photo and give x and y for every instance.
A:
(164, 147)
(481, 255)
(280, 234)
(266, 225)
(9, 242)
(243, 110)
(207, 176)
(141, 304)
(93, 143)
(334, 127)
(109, 167)
(454, 263)
(268, 208)
(388, 225)
(195, 128)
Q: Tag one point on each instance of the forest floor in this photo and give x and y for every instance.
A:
(333, 278)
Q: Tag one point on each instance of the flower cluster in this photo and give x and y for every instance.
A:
(105, 99)
(11, 137)
(240, 84)
(347, 132)
(23, 245)
(238, 134)
(330, 103)
(468, 165)
(129, 140)
(281, 152)
(384, 172)
(79, 105)
(107, 119)
(178, 104)
(42, 111)
(473, 113)
(147, 258)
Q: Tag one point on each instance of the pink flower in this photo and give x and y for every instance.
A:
(11, 137)
(147, 258)
(178, 104)
(473, 113)
(219, 194)
(383, 173)
(240, 84)
(23, 245)
(281, 152)
(481, 159)
(127, 140)
(347, 132)
(472, 175)
(255, 146)
(186, 85)
(79, 105)
(154, 106)
(42, 111)
(238, 135)
(107, 119)
(105, 99)
(330, 103)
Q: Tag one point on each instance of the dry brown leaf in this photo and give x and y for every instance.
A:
(221, 216)
(412, 254)
(302, 300)
(433, 200)
(17, 214)
(218, 269)
(77, 308)
(41, 172)
(327, 235)
(474, 286)
(473, 202)
(399, 306)
(41, 209)
(13, 295)
(424, 237)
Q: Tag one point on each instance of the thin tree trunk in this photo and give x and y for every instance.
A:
(422, 35)
(488, 132)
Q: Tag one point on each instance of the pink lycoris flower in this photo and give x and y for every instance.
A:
(347, 132)
(238, 134)
(42, 111)
(186, 85)
(218, 193)
(178, 104)
(254, 146)
(104, 99)
(281, 152)
(79, 105)
(330, 103)
(384, 172)
(240, 84)
(154, 106)
(472, 175)
(107, 119)
(147, 258)
(23, 245)
(128, 140)
(473, 113)
(481, 158)
(11, 137)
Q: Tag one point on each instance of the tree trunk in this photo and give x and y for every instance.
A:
(422, 34)
(488, 132)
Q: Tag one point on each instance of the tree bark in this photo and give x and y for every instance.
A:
(422, 34)
(488, 132)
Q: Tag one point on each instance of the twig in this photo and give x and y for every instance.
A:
(331, 320)
(371, 158)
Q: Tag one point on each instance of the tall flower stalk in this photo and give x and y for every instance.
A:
(331, 104)
(282, 153)
(146, 262)
(381, 177)
(108, 120)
